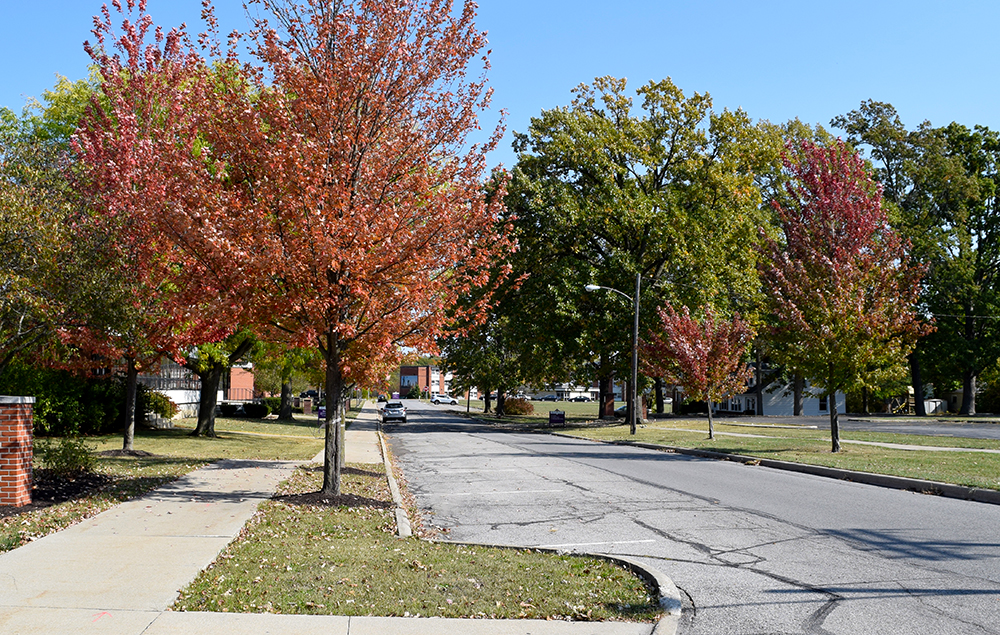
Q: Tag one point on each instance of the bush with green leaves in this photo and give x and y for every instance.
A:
(66, 456)
(274, 403)
(155, 401)
(414, 393)
(67, 403)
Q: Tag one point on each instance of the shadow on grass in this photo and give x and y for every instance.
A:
(347, 470)
(319, 499)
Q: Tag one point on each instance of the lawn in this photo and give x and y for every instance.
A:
(302, 553)
(972, 469)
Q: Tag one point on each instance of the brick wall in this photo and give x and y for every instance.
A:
(15, 450)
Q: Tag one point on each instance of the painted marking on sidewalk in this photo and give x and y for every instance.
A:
(592, 544)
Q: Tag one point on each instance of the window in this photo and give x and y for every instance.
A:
(822, 403)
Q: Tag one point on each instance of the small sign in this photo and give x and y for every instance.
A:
(321, 411)
(557, 417)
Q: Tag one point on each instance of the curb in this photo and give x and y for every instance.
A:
(921, 486)
(669, 596)
(403, 529)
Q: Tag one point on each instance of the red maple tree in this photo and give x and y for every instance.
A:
(137, 155)
(841, 286)
(706, 357)
(332, 194)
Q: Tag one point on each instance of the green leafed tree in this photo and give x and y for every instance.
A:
(612, 186)
(942, 183)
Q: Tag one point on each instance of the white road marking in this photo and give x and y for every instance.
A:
(591, 544)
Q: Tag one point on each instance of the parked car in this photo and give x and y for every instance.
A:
(309, 393)
(382, 398)
(581, 398)
(621, 410)
(440, 399)
(393, 411)
(548, 398)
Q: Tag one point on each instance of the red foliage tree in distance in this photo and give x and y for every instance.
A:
(841, 287)
(706, 358)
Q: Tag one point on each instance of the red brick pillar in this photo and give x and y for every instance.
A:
(15, 450)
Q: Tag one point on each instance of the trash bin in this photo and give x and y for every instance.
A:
(557, 417)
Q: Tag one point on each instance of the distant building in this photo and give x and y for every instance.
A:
(183, 387)
(427, 379)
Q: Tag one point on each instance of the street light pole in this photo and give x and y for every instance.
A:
(633, 387)
(632, 400)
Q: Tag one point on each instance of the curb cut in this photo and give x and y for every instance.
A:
(946, 490)
(669, 596)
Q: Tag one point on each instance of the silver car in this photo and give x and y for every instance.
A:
(393, 411)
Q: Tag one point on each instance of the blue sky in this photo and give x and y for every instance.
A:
(775, 59)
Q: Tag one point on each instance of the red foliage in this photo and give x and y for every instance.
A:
(330, 194)
(842, 286)
(704, 357)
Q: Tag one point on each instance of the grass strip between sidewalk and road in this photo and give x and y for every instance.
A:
(306, 553)
(810, 446)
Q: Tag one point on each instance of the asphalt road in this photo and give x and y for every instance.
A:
(753, 550)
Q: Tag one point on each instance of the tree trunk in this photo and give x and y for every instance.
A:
(918, 385)
(486, 400)
(759, 387)
(659, 395)
(711, 428)
(864, 400)
(501, 398)
(968, 393)
(285, 411)
(333, 455)
(208, 398)
(798, 384)
(831, 402)
(606, 400)
(131, 384)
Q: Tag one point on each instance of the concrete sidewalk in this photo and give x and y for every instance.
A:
(117, 573)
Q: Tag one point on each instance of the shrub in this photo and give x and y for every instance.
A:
(414, 393)
(228, 409)
(274, 403)
(256, 409)
(155, 401)
(68, 456)
(67, 404)
(518, 406)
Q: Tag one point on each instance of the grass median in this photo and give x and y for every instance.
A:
(305, 553)
(811, 446)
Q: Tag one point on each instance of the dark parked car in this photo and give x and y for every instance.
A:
(548, 398)
(382, 398)
(393, 411)
(581, 399)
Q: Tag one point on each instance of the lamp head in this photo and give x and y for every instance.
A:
(591, 287)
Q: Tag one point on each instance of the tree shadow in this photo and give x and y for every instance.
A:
(319, 499)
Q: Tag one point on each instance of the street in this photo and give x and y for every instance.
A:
(753, 550)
